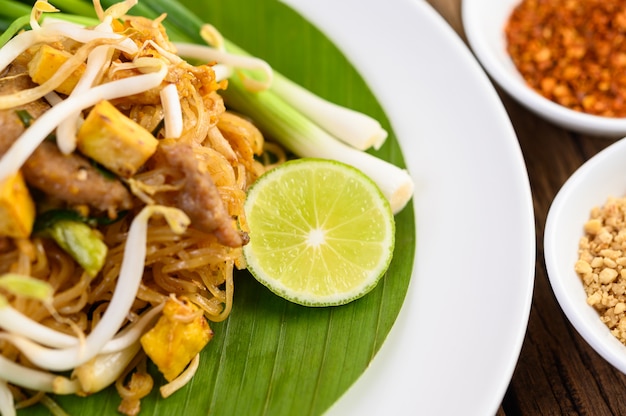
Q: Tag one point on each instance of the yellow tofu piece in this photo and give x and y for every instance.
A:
(114, 140)
(179, 335)
(17, 209)
(47, 62)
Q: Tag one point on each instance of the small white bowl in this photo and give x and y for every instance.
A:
(484, 22)
(602, 176)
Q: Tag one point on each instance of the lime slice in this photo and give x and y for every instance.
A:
(321, 232)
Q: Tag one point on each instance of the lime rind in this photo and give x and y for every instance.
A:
(283, 208)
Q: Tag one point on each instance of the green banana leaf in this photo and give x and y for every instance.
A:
(271, 357)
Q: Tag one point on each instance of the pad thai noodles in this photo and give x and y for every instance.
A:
(123, 177)
(122, 183)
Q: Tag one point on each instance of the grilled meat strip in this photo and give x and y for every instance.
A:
(74, 179)
(199, 197)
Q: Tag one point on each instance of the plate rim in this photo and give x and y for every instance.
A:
(365, 394)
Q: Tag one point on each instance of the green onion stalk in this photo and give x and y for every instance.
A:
(302, 122)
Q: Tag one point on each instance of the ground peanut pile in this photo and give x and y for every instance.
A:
(602, 264)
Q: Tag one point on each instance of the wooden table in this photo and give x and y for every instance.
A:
(557, 373)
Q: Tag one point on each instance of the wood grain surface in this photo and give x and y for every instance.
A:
(557, 373)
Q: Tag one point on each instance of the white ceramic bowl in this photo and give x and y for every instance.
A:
(602, 176)
(484, 22)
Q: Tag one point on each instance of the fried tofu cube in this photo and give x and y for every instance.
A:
(17, 209)
(47, 62)
(178, 336)
(114, 140)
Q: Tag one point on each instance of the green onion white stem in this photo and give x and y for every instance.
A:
(306, 139)
(315, 121)
(351, 127)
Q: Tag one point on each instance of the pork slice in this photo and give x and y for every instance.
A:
(199, 197)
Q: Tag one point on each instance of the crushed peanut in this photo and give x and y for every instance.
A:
(601, 264)
(573, 52)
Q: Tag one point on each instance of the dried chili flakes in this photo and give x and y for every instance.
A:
(573, 52)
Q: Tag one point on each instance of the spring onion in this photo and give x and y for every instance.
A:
(318, 124)
(352, 127)
(313, 125)
(25, 117)
(305, 138)
(15, 9)
(17, 25)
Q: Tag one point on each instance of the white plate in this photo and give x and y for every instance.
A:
(457, 339)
